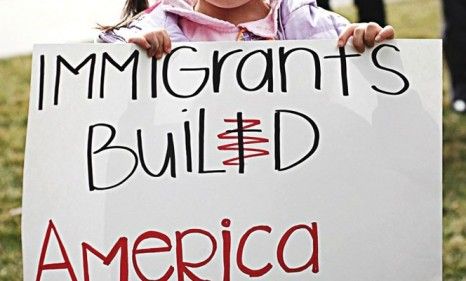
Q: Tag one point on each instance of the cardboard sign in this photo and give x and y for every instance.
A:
(234, 161)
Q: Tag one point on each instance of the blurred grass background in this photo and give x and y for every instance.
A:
(411, 19)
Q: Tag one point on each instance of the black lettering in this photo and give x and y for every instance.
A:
(105, 147)
(75, 70)
(154, 78)
(187, 140)
(268, 71)
(278, 164)
(169, 157)
(202, 170)
(240, 135)
(41, 81)
(344, 68)
(375, 52)
(217, 65)
(166, 82)
(133, 58)
(283, 56)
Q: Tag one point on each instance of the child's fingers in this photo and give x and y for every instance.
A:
(154, 44)
(161, 43)
(372, 30)
(140, 41)
(358, 38)
(167, 42)
(386, 33)
(346, 34)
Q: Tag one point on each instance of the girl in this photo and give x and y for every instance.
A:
(154, 28)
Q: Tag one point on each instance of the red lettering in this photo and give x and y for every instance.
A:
(226, 235)
(120, 246)
(66, 264)
(313, 261)
(137, 251)
(183, 266)
(239, 256)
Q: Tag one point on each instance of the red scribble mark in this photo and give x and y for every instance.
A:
(238, 134)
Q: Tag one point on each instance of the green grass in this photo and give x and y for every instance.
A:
(14, 91)
(411, 19)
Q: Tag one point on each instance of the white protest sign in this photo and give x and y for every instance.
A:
(234, 161)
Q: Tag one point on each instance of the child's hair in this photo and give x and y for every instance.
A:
(132, 9)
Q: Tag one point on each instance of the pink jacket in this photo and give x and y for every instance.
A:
(287, 20)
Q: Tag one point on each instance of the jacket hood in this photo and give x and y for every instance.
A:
(290, 4)
(265, 27)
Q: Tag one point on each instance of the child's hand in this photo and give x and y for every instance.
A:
(156, 42)
(365, 34)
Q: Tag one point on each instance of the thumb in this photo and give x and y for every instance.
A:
(139, 41)
(386, 33)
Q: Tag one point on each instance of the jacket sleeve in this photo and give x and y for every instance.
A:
(304, 20)
(155, 18)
